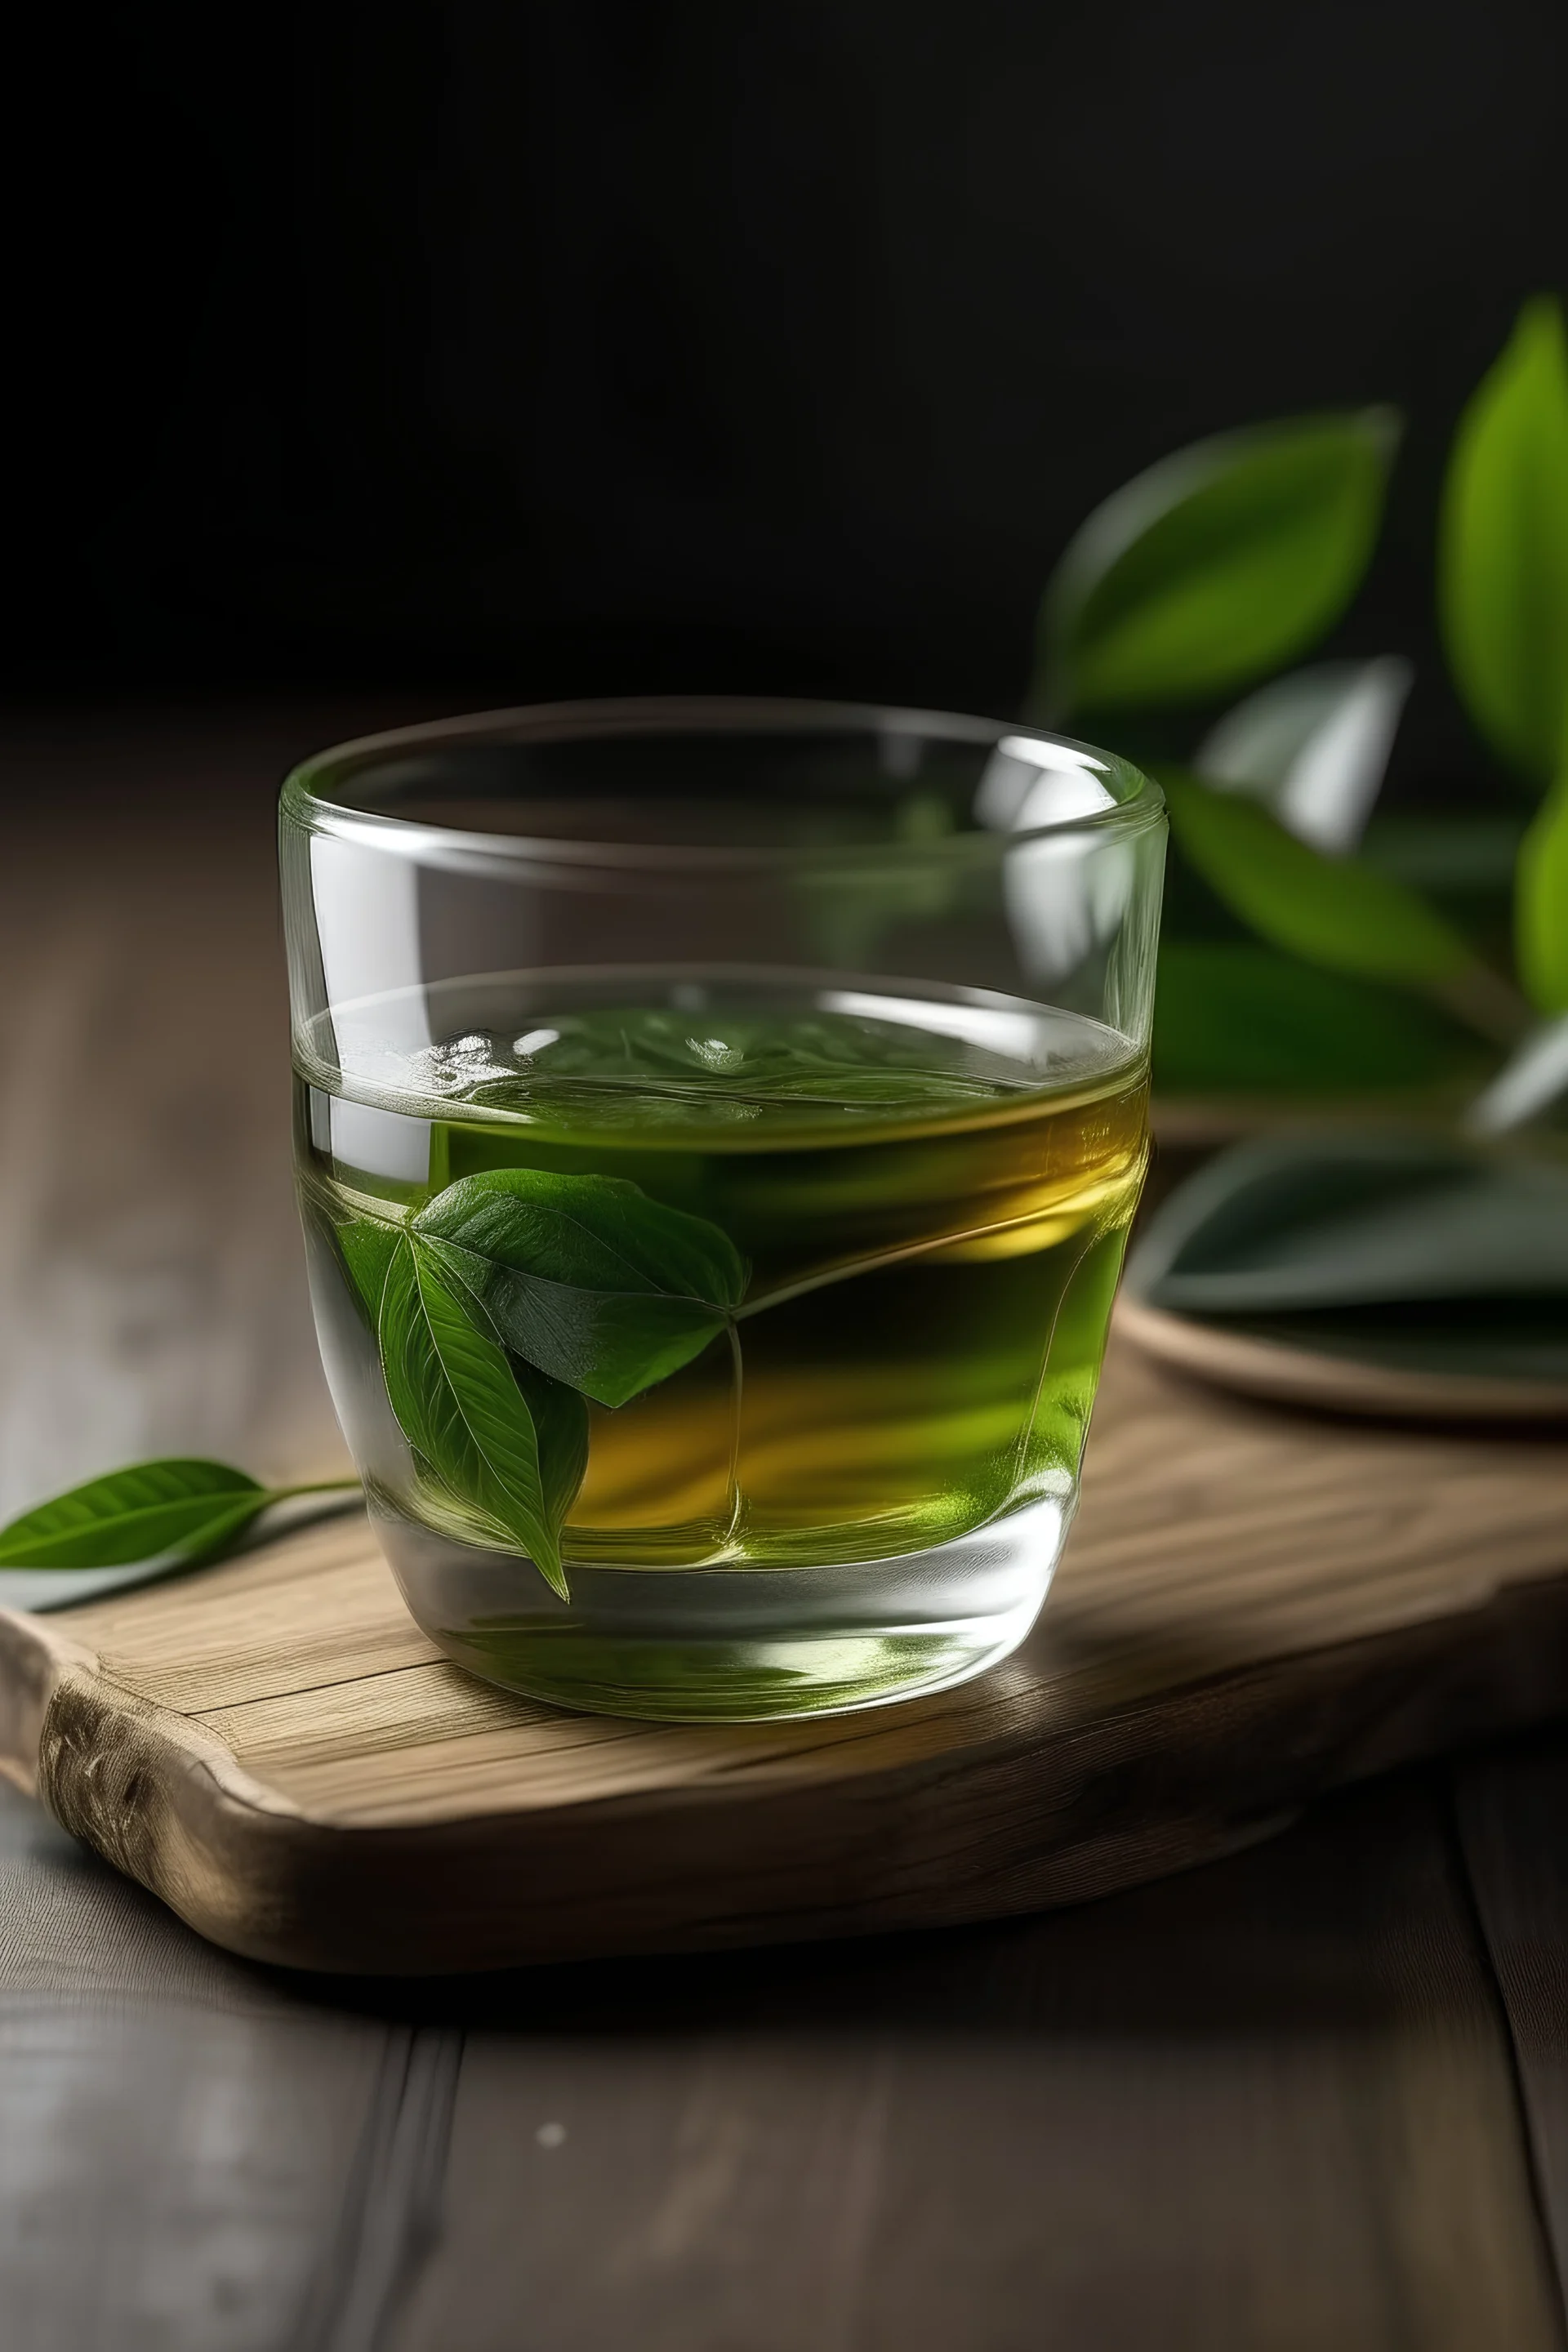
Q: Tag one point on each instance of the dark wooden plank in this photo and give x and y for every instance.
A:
(390, 2217)
(184, 2146)
(1513, 1811)
(1266, 2104)
(188, 2153)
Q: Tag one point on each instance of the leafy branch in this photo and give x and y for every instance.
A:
(1226, 560)
(1337, 912)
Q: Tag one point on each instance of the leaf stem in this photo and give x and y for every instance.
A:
(842, 1272)
(737, 1374)
(316, 1486)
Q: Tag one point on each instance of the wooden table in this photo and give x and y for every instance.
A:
(1314, 2096)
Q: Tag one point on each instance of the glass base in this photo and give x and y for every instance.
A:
(731, 1644)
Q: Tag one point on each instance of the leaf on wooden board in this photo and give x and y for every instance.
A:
(464, 1410)
(1234, 1016)
(1334, 911)
(1540, 904)
(1369, 1222)
(1216, 566)
(1503, 557)
(180, 1511)
(1313, 747)
(587, 1277)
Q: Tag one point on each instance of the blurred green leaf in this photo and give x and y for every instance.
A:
(1334, 911)
(1404, 1250)
(1540, 905)
(1531, 1082)
(1216, 566)
(1503, 569)
(1453, 857)
(1312, 746)
(1314, 1221)
(1234, 1018)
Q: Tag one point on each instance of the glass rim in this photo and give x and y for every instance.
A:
(308, 800)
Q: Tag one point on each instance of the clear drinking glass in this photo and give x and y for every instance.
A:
(718, 1128)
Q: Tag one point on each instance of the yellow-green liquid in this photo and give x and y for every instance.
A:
(860, 1487)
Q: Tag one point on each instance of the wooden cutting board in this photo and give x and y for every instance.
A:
(1254, 1605)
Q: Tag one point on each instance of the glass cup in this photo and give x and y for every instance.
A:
(717, 1127)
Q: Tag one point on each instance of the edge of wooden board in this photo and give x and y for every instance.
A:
(1027, 1821)
(1331, 1383)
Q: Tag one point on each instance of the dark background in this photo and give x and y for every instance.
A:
(502, 352)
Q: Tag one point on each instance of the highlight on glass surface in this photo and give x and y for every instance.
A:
(717, 1127)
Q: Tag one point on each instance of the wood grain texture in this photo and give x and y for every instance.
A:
(1512, 1813)
(1253, 1608)
(180, 2139)
(1264, 2104)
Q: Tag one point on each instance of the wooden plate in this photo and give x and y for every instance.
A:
(1330, 1381)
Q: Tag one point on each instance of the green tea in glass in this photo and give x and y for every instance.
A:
(717, 1127)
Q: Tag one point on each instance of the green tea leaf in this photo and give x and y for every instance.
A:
(586, 1277)
(367, 1247)
(560, 1427)
(1540, 905)
(1334, 911)
(1502, 575)
(608, 1347)
(598, 1232)
(363, 1246)
(1231, 1016)
(435, 1505)
(182, 1510)
(462, 1409)
(1216, 566)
